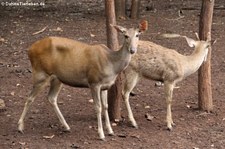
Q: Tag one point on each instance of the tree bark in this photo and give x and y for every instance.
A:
(112, 39)
(120, 9)
(135, 11)
(114, 94)
(204, 73)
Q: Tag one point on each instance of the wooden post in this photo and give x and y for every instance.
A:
(204, 73)
(114, 94)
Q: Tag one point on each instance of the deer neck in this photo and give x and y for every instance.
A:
(120, 59)
(195, 60)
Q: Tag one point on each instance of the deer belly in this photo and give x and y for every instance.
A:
(74, 80)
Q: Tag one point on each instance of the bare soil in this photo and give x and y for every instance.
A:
(85, 21)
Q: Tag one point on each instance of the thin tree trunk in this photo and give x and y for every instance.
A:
(112, 39)
(135, 11)
(120, 9)
(114, 94)
(204, 73)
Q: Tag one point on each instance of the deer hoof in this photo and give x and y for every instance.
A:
(111, 134)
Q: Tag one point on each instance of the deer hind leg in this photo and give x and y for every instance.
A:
(130, 83)
(105, 109)
(95, 90)
(169, 93)
(55, 86)
(38, 86)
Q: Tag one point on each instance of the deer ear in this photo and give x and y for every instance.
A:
(143, 26)
(191, 42)
(119, 28)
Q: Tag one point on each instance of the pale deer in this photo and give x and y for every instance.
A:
(58, 61)
(155, 62)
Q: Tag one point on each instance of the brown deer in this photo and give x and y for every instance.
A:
(58, 61)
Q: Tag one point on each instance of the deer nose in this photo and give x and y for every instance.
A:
(133, 50)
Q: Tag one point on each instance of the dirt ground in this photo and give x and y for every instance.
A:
(85, 21)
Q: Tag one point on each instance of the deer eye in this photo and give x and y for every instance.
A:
(137, 35)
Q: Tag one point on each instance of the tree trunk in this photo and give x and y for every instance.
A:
(120, 8)
(114, 94)
(112, 40)
(135, 11)
(114, 99)
(204, 73)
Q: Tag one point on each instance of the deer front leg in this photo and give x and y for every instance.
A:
(169, 93)
(130, 113)
(129, 84)
(95, 90)
(105, 108)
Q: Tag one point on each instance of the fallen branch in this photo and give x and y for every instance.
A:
(48, 137)
(42, 30)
